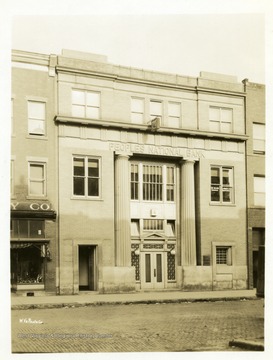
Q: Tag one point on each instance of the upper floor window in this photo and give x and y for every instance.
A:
(36, 118)
(155, 109)
(86, 176)
(86, 104)
(259, 190)
(174, 113)
(221, 185)
(137, 110)
(37, 179)
(220, 119)
(259, 138)
(152, 182)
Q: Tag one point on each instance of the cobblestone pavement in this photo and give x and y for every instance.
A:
(198, 326)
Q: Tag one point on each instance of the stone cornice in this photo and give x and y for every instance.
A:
(147, 129)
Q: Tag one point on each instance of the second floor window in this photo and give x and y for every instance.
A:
(220, 119)
(86, 104)
(259, 138)
(36, 118)
(37, 179)
(221, 188)
(152, 182)
(86, 176)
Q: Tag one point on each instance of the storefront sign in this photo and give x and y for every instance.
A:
(156, 150)
(35, 206)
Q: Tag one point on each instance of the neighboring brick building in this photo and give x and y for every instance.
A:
(255, 129)
(146, 171)
(34, 250)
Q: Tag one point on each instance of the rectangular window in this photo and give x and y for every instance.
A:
(134, 182)
(152, 182)
(27, 229)
(85, 104)
(29, 267)
(37, 179)
(155, 109)
(259, 191)
(134, 227)
(174, 110)
(170, 184)
(222, 185)
(223, 255)
(36, 118)
(259, 138)
(137, 110)
(220, 119)
(170, 228)
(153, 224)
(86, 176)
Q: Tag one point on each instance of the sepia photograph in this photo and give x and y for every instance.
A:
(136, 196)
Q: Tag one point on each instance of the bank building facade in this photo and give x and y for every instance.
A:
(146, 177)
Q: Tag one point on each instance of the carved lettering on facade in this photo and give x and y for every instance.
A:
(156, 150)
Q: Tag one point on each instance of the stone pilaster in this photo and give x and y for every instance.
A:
(188, 236)
(122, 211)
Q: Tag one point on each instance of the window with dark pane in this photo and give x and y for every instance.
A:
(134, 182)
(93, 177)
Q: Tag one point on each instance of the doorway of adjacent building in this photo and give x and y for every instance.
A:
(153, 270)
(87, 268)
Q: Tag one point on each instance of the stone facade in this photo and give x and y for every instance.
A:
(145, 170)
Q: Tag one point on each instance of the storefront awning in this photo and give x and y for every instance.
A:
(22, 214)
(36, 210)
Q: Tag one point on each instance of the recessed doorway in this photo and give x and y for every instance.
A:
(87, 268)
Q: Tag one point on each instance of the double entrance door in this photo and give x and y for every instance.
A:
(87, 268)
(153, 266)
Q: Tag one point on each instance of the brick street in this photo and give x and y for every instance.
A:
(197, 326)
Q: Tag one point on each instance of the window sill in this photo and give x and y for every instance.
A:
(37, 137)
(37, 197)
(86, 198)
(221, 204)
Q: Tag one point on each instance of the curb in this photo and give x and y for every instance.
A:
(147, 302)
(252, 345)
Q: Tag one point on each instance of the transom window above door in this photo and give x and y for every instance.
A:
(151, 182)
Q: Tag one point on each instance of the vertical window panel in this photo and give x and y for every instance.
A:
(137, 110)
(158, 267)
(86, 177)
(174, 113)
(36, 118)
(155, 109)
(222, 184)
(259, 138)
(259, 191)
(148, 268)
(37, 179)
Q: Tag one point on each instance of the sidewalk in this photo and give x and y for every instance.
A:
(94, 298)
